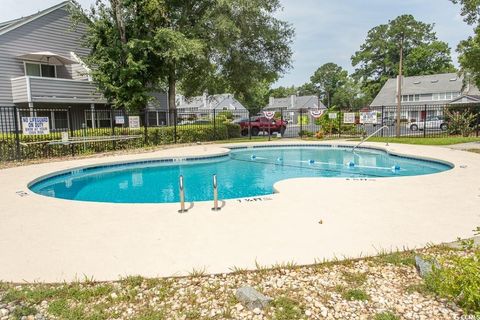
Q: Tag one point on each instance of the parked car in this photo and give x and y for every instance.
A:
(257, 124)
(433, 122)
(389, 121)
(194, 122)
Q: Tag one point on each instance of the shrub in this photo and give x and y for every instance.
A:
(460, 122)
(151, 137)
(458, 280)
(305, 133)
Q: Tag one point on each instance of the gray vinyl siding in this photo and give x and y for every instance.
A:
(63, 91)
(52, 32)
(159, 101)
(19, 89)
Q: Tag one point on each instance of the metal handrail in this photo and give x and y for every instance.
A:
(365, 139)
(182, 195)
(215, 194)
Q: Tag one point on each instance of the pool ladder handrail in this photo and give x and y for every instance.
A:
(182, 195)
(365, 139)
(215, 194)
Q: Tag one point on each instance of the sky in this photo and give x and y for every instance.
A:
(326, 30)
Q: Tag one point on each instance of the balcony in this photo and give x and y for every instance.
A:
(55, 90)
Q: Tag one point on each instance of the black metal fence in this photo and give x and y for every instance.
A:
(56, 132)
(415, 121)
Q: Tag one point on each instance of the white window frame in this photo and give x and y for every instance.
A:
(40, 65)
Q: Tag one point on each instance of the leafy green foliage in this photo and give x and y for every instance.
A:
(219, 46)
(470, 10)
(22, 311)
(327, 79)
(154, 136)
(459, 281)
(287, 309)
(378, 58)
(460, 122)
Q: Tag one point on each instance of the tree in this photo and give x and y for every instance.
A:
(141, 45)
(350, 96)
(470, 10)
(327, 79)
(469, 50)
(469, 57)
(378, 58)
(283, 92)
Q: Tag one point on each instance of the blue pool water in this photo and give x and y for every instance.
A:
(243, 173)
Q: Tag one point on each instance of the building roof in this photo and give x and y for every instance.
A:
(296, 102)
(13, 24)
(437, 83)
(209, 102)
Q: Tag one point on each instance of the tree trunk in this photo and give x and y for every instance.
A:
(172, 81)
(117, 10)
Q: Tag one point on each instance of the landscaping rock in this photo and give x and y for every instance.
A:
(424, 267)
(251, 298)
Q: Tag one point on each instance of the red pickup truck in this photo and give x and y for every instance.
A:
(258, 124)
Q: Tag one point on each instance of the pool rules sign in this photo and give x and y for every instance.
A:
(35, 125)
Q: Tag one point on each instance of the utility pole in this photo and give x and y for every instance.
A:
(399, 88)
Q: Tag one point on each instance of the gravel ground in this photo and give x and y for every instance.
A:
(384, 287)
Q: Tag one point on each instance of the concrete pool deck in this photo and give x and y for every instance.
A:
(52, 240)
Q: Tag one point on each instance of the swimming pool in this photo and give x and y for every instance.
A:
(244, 172)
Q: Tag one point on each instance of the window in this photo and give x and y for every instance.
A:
(40, 70)
(48, 71)
(445, 96)
(411, 98)
(32, 69)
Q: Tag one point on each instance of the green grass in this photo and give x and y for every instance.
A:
(351, 294)
(22, 311)
(397, 258)
(355, 279)
(440, 141)
(386, 316)
(287, 309)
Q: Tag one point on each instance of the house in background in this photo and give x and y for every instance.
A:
(291, 106)
(41, 67)
(204, 106)
(431, 92)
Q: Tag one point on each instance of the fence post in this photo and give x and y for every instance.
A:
(249, 126)
(478, 120)
(145, 127)
(281, 121)
(340, 119)
(301, 123)
(383, 117)
(425, 122)
(112, 125)
(18, 155)
(214, 125)
(70, 127)
(175, 126)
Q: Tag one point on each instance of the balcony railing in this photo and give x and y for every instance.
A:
(54, 90)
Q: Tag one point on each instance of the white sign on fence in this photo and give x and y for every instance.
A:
(368, 117)
(35, 125)
(332, 115)
(349, 117)
(134, 122)
(119, 120)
